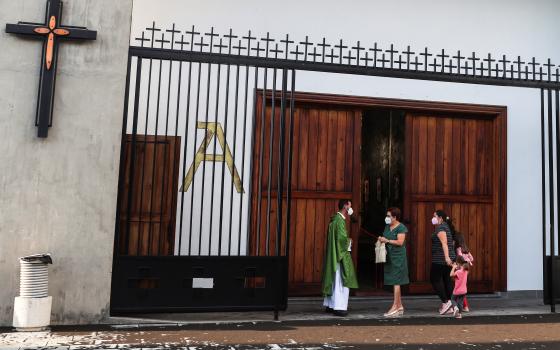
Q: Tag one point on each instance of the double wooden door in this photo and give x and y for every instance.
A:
(453, 161)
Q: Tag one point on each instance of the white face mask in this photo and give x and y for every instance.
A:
(435, 221)
(388, 220)
(350, 211)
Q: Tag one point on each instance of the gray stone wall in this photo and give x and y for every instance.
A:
(58, 194)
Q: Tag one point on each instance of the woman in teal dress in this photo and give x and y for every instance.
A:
(396, 267)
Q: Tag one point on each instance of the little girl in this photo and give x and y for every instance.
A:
(462, 250)
(459, 272)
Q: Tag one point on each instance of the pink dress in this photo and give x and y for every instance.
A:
(460, 282)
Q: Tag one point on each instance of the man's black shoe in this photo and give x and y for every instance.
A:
(329, 310)
(341, 313)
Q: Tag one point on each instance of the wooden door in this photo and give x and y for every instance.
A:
(455, 163)
(154, 195)
(326, 168)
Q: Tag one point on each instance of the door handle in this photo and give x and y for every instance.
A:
(378, 189)
(366, 191)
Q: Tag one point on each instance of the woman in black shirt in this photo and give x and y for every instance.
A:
(443, 256)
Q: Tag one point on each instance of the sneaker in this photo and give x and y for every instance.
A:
(455, 311)
(329, 310)
(458, 315)
(445, 308)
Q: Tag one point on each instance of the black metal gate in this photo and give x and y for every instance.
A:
(183, 236)
(202, 223)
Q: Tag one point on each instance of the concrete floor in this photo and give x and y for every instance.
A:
(497, 322)
(528, 332)
(360, 308)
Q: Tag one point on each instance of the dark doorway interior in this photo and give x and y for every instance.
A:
(382, 176)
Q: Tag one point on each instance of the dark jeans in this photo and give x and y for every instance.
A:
(441, 281)
(458, 301)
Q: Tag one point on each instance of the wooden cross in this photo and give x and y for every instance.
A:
(51, 32)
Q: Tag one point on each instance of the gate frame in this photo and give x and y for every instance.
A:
(127, 268)
(359, 63)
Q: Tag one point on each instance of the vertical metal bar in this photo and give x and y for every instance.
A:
(168, 143)
(289, 180)
(140, 221)
(270, 161)
(194, 158)
(185, 148)
(250, 182)
(116, 245)
(224, 147)
(117, 248)
(150, 213)
(551, 199)
(280, 185)
(543, 187)
(552, 244)
(234, 154)
(211, 223)
(290, 150)
(133, 152)
(283, 280)
(185, 139)
(281, 141)
(261, 154)
(204, 161)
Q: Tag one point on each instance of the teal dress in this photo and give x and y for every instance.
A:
(396, 267)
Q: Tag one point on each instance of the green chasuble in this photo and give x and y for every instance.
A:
(337, 252)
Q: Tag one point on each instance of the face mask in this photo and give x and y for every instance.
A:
(350, 211)
(387, 220)
(434, 221)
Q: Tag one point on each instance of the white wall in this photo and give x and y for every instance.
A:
(500, 27)
(58, 194)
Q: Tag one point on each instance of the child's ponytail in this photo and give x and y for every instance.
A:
(459, 240)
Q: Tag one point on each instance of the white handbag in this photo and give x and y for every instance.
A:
(380, 253)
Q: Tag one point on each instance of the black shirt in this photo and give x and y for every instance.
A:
(438, 257)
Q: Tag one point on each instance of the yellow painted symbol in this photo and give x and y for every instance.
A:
(201, 155)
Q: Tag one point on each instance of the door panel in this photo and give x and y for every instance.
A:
(154, 195)
(451, 163)
(326, 161)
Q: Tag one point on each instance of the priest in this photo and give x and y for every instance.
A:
(338, 268)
